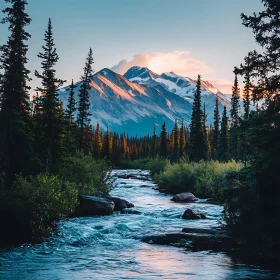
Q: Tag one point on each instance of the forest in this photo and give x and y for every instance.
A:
(49, 155)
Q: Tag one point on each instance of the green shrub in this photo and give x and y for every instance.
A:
(204, 179)
(31, 206)
(89, 175)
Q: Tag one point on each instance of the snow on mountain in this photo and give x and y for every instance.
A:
(134, 102)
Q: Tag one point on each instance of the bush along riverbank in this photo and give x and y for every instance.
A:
(31, 206)
(204, 179)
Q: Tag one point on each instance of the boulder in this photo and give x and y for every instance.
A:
(184, 197)
(120, 203)
(193, 215)
(94, 206)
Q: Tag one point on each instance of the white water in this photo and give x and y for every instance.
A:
(111, 247)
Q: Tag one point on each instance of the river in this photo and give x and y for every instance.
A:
(111, 248)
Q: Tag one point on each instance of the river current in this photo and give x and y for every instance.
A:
(111, 248)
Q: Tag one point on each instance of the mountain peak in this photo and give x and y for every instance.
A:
(140, 73)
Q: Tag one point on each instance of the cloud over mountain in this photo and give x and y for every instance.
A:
(179, 62)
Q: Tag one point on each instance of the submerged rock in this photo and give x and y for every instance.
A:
(94, 206)
(190, 214)
(184, 197)
(130, 211)
(194, 241)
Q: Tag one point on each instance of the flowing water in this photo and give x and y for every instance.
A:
(111, 247)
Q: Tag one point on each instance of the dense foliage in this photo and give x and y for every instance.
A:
(204, 179)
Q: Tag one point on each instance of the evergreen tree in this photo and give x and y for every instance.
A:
(16, 137)
(222, 152)
(154, 144)
(234, 147)
(197, 144)
(107, 146)
(246, 95)
(71, 106)
(163, 147)
(83, 108)
(51, 119)
(216, 130)
(70, 124)
(182, 139)
(176, 142)
(97, 142)
(234, 112)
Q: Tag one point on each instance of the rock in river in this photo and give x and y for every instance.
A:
(120, 203)
(130, 211)
(94, 206)
(184, 197)
(193, 215)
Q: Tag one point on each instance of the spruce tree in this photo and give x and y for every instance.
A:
(154, 144)
(176, 142)
(246, 95)
(182, 139)
(70, 124)
(234, 113)
(50, 113)
(84, 104)
(197, 143)
(163, 146)
(107, 146)
(216, 130)
(222, 152)
(71, 106)
(97, 142)
(16, 137)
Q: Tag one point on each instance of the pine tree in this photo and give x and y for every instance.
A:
(154, 144)
(50, 112)
(16, 138)
(70, 124)
(71, 106)
(216, 130)
(107, 146)
(163, 147)
(84, 104)
(197, 143)
(222, 152)
(246, 95)
(176, 143)
(234, 112)
(97, 142)
(182, 139)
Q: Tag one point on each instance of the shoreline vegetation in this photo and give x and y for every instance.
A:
(48, 155)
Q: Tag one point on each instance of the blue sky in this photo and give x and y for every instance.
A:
(186, 36)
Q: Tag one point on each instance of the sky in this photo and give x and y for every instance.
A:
(188, 37)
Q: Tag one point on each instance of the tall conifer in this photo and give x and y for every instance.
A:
(163, 147)
(216, 130)
(84, 104)
(16, 138)
(51, 119)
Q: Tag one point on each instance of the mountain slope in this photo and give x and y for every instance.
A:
(134, 102)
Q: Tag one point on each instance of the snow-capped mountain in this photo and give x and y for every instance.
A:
(140, 98)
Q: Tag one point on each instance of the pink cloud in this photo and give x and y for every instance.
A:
(179, 62)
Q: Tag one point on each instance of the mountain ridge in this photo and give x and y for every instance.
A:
(139, 99)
